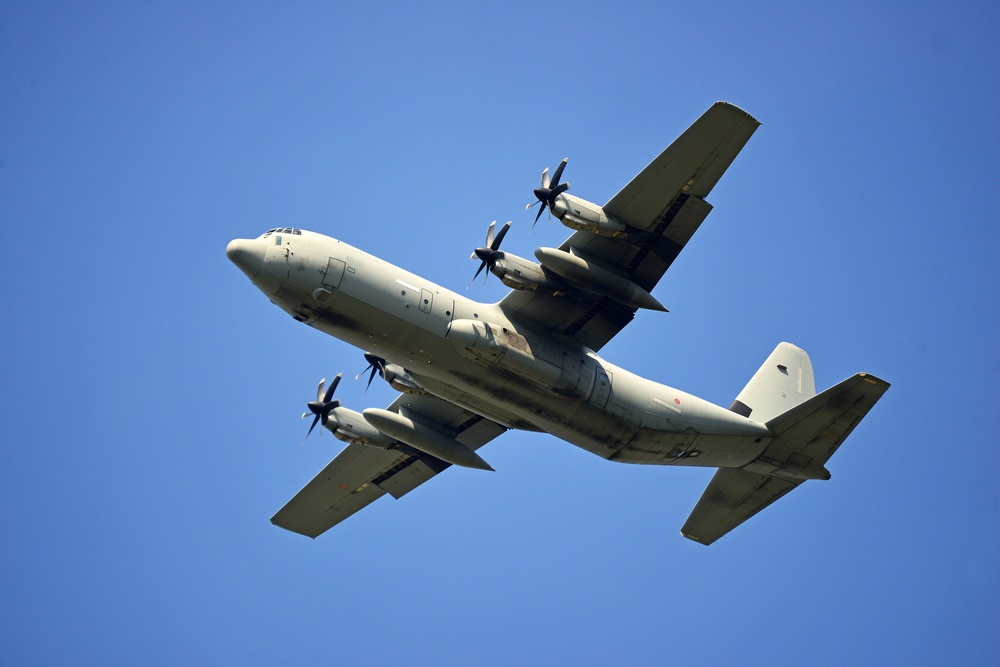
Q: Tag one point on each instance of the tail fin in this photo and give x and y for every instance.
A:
(784, 381)
(804, 438)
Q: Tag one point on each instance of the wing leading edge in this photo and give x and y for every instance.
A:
(360, 474)
(663, 206)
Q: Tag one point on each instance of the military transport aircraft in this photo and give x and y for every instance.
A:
(468, 371)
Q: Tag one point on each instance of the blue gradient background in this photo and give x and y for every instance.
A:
(151, 395)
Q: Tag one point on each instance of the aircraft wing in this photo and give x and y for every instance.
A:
(663, 207)
(360, 474)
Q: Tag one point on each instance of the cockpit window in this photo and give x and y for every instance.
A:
(282, 230)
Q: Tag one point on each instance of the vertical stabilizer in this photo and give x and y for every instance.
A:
(784, 381)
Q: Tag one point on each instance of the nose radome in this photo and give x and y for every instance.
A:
(246, 254)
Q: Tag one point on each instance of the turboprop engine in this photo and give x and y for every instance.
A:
(520, 274)
(394, 374)
(344, 423)
(513, 271)
(572, 211)
(586, 216)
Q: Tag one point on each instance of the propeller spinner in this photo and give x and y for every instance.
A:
(547, 194)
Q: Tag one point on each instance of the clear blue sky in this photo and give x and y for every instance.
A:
(151, 395)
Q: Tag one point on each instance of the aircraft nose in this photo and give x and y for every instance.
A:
(246, 254)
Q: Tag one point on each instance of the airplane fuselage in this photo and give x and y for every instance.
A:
(473, 355)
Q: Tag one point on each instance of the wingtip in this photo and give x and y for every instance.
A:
(694, 538)
(723, 103)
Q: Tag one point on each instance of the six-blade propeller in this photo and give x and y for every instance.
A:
(491, 252)
(547, 194)
(324, 403)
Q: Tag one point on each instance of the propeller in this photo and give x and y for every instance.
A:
(491, 252)
(550, 190)
(376, 364)
(323, 405)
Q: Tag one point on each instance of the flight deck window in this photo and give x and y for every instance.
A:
(282, 230)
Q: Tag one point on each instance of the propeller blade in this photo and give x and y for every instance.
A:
(481, 267)
(545, 178)
(538, 216)
(319, 390)
(315, 421)
(558, 174)
(375, 365)
(333, 388)
(495, 245)
(489, 234)
(556, 191)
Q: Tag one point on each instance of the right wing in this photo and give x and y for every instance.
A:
(360, 474)
(663, 207)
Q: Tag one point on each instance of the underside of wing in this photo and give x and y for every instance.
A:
(691, 165)
(361, 474)
(663, 206)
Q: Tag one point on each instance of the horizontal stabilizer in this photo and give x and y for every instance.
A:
(732, 497)
(805, 437)
(816, 428)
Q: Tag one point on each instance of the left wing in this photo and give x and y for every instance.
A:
(360, 474)
(663, 207)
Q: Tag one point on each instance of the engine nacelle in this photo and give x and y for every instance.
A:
(520, 274)
(399, 380)
(351, 426)
(586, 216)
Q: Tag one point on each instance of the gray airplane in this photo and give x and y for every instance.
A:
(468, 371)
